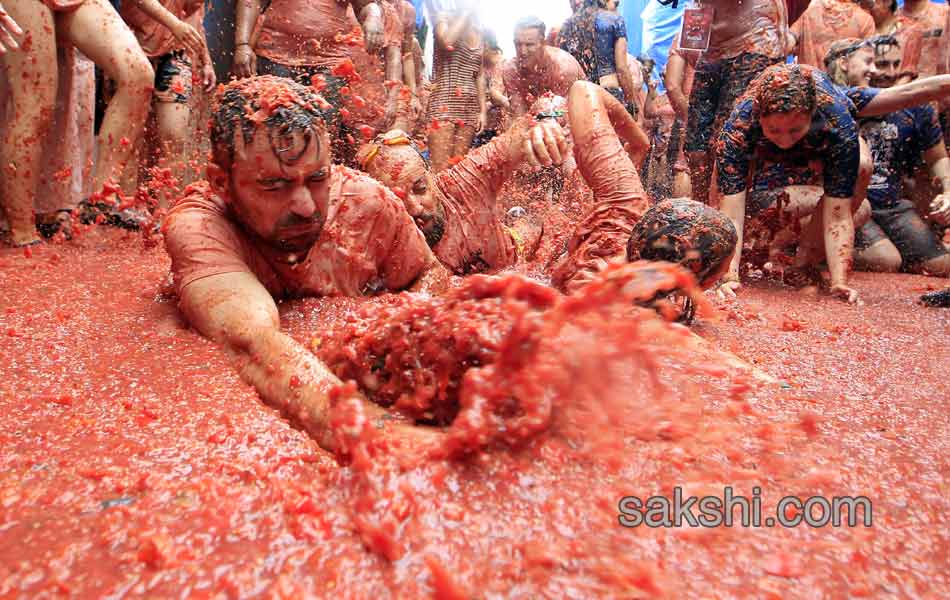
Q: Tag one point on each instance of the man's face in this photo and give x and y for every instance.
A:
(859, 67)
(528, 47)
(401, 169)
(279, 186)
(887, 67)
(576, 4)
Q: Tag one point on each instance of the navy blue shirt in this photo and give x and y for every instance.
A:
(897, 142)
(608, 28)
(833, 138)
(577, 39)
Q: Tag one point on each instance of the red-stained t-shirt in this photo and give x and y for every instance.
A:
(368, 245)
(474, 239)
(564, 71)
(825, 21)
(305, 33)
(930, 23)
(152, 36)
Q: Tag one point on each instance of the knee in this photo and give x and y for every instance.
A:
(136, 75)
(882, 257)
(860, 213)
(938, 267)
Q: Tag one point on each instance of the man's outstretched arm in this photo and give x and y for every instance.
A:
(235, 310)
(915, 93)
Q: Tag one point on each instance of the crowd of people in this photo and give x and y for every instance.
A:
(790, 136)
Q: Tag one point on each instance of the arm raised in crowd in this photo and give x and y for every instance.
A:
(915, 93)
(449, 28)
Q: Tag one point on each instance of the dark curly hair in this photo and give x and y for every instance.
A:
(685, 232)
(285, 108)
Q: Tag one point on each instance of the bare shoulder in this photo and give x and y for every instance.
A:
(567, 64)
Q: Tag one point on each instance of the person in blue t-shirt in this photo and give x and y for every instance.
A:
(596, 35)
(898, 235)
(795, 112)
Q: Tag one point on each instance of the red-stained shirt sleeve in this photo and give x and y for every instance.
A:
(476, 179)
(201, 241)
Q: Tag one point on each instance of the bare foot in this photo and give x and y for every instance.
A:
(20, 239)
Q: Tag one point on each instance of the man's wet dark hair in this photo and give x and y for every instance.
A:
(685, 232)
(532, 22)
(285, 108)
(883, 43)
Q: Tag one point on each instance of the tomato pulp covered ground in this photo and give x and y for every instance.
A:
(134, 462)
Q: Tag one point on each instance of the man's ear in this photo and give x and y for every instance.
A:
(219, 180)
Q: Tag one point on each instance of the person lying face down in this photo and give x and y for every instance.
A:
(456, 208)
(276, 220)
(622, 226)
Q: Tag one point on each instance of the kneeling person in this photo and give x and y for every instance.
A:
(897, 235)
(276, 220)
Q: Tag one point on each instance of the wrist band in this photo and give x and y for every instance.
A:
(241, 44)
(549, 114)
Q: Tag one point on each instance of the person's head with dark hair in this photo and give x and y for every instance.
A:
(784, 100)
(493, 54)
(888, 61)
(850, 62)
(529, 42)
(271, 158)
(882, 11)
(490, 40)
(688, 233)
(394, 160)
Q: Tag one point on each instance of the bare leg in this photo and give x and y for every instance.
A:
(173, 119)
(441, 145)
(881, 256)
(99, 33)
(812, 244)
(463, 140)
(32, 75)
(699, 174)
(937, 267)
(681, 185)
